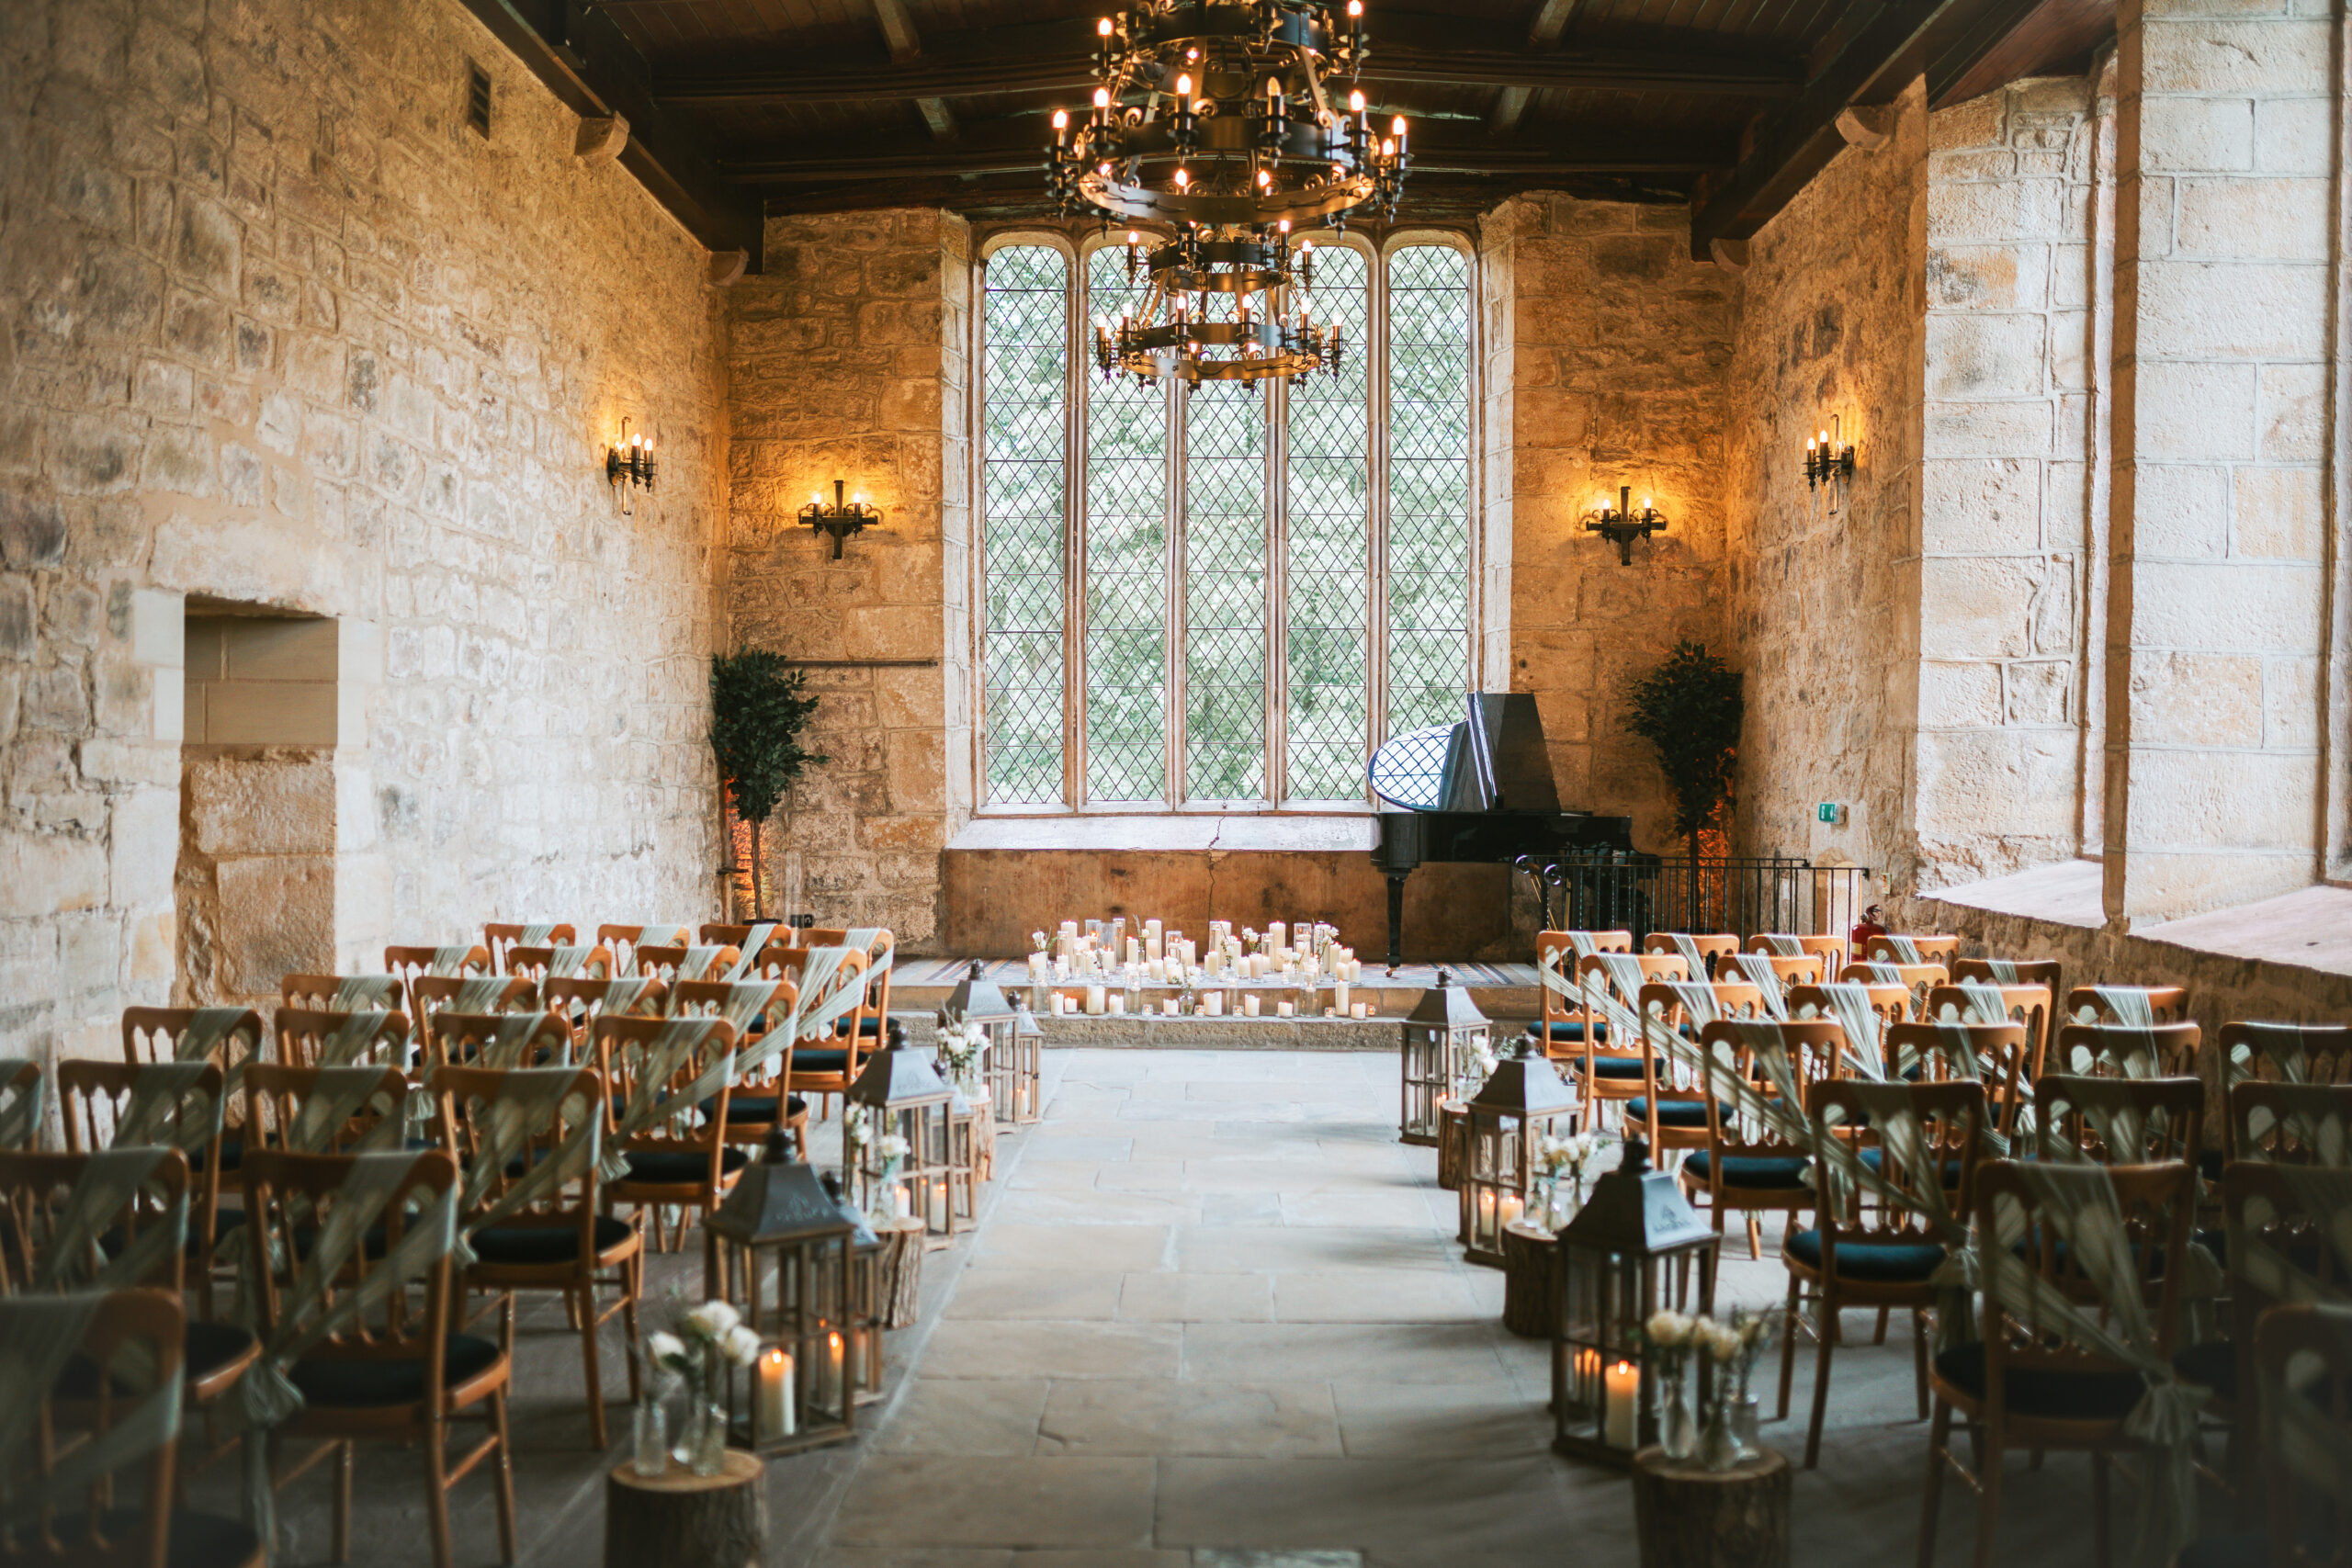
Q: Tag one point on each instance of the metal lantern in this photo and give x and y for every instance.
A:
(1629, 1251)
(1442, 1032)
(784, 1247)
(902, 1093)
(1522, 1104)
(1027, 1101)
(977, 999)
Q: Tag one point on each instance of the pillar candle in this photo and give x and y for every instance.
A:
(1214, 1002)
(1248, 1004)
(1513, 1205)
(1094, 1002)
(1135, 950)
(1284, 1010)
(1340, 997)
(1624, 1390)
(775, 1393)
(1276, 933)
(1118, 1003)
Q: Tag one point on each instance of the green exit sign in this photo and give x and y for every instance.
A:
(1829, 811)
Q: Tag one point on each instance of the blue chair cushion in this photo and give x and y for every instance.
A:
(2053, 1395)
(197, 1541)
(1888, 1262)
(1573, 1029)
(1670, 1113)
(348, 1384)
(1751, 1171)
(2213, 1363)
(819, 1061)
(760, 1108)
(1875, 1159)
(545, 1244)
(870, 1028)
(206, 1348)
(1612, 1067)
(233, 1154)
(679, 1168)
(2250, 1549)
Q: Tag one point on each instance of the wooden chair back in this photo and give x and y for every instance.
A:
(2298, 1053)
(1591, 974)
(867, 1024)
(850, 1034)
(2290, 1123)
(582, 999)
(1890, 1004)
(460, 1039)
(1916, 979)
(2042, 972)
(2003, 1054)
(622, 942)
(2115, 1050)
(1563, 1022)
(458, 1096)
(92, 1097)
(502, 940)
(280, 1093)
(1940, 948)
(16, 1083)
(1811, 1049)
(2118, 1120)
(2157, 1201)
(2098, 1003)
(662, 963)
(327, 993)
(303, 1037)
(2024, 1003)
(137, 1340)
(1834, 952)
(435, 994)
(414, 963)
(620, 1046)
(153, 1034)
(1951, 1114)
(288, 1194)
(535, 962)
(2304, 1352)
(1712, 946)
(34, 1191)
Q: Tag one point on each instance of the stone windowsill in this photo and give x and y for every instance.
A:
(1161, 832)
(2311, 929)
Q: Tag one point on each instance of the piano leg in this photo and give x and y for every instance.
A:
(1396, 917)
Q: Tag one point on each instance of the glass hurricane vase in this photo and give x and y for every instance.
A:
(1678, 1432)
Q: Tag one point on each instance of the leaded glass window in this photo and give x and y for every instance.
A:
(1269, 580)
(1024, 446)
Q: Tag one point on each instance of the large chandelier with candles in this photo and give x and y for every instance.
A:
(1217, 118)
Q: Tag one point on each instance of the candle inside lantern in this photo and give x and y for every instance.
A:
(1512, 1206)
(775, 1393)
(1623, 1383)
(1587, 1388)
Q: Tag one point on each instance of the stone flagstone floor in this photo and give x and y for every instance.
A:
(1212, 1316)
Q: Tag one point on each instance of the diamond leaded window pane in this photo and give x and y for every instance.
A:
(1225, 589)
(1125, 677)
(1429, 486)
(1326, 587)
(1025, 331)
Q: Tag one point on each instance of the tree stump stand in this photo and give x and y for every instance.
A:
(890, 1277)
(984, 1135)
(1453, 1143)
(1531, 1267)
(1690, 1518)
(684, 1520)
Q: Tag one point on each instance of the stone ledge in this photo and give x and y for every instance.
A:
(1178, 831)
(2071, 893)
(2307, 930)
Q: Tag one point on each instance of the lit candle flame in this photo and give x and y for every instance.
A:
(1103, 28)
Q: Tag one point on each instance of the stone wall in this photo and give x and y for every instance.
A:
(1618, 346)
(2013, 499)
(278, 328)
(850, 359)
(1824, 605)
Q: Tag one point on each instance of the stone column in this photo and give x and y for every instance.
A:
(2224, 256)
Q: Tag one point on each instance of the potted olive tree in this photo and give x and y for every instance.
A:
(758, 712)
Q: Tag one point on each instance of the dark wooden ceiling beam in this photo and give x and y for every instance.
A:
(904, 43)
(1439, 148)
(592, 69)
(1036, 58)
(1877, 49)
(1551, 22)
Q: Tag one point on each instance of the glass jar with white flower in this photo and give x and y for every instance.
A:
(710, 1339)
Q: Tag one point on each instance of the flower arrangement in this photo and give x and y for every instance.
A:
(709, 1338)
(1568, 1161)
(1725, 1431)
(960, 1049)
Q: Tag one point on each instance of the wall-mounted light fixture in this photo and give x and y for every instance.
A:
(1829, 464)
(841, 518)
(1621, 526)
(628, 462)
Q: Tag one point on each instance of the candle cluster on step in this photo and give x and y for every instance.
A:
(1101, 968)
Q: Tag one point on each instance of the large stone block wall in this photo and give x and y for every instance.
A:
(1618, 348)
(850, 359)
(2227, 266)
(1824, 605)
(276, 327)
(2012, 493)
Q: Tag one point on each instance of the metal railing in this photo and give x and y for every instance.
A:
(1614, 890)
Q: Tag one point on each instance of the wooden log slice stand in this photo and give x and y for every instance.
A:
(1531, 1269)
(1690, 1518)
(684, 1520)
(1453, 1143)
(898, 1275)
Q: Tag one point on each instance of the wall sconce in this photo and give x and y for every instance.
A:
(629, 463)
(1829, 463)
(1622, 525)
(841, 518)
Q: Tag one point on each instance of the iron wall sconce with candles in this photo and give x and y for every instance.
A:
(843, 518)
(629, 463)
(1829, 463)
(1621, 526)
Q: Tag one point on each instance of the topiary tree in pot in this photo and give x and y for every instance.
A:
(1689, 709)
(759, 710)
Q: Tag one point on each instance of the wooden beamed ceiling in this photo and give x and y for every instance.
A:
(740, 108)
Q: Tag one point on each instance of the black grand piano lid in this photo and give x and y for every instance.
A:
(1494, 759)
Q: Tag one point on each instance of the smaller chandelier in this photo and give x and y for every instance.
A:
(1174, 336)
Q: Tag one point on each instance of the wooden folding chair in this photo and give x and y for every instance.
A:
(1896, 947)
(92, 1098)
(753, 1106)
(1614, 1071)
(1966, 1001)
(1709, 948)
(501, 938)
(1563, 1024)
(1745, 1169)
(682, 1160)
(538, 963)
(307, 1039)
(2115, 1004)
(344, 993)
(2122, 1050)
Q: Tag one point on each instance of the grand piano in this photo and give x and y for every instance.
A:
(1481, 789)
